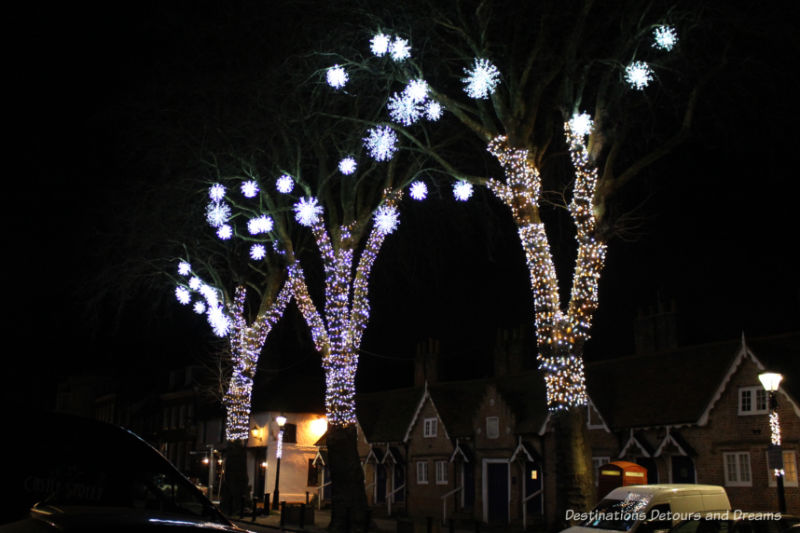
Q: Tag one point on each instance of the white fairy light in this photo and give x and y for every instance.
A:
(225, 232)
(250, 189)
(260, 224)
(581, 124)
(381, 143)
(403, 109)
(307, 211)
(184, 268)
(418, 190)
(183, 295)
(258, 252)
(638, 75)
(285, 184)
(386, 219)
(417, 90)
(433, 110)
(482, 79)
(216, 192)
(347, 165)
(219, 321)
(195, 283)
(399, 49)
(379, 44)
(199, 307)
(462, 190)
(210, 294)
(337, 77)
(665, 38)
(217, 214)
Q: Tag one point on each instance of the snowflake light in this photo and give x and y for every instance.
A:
(665, 38)
(257, 252)
(250, 189)
(379, 44)
(381, 143)
(337, 77)
(307, 211)
(403, 109)
(347, 165)
(462, 190)
(433, 111)
(417, 90)
(581, 124)
(260, 224)
(199, 308)
(184, 268)
(217, 214)
(219, 321)
(225, 232)
(399, 49)
(386, 219)
(418, 190)
(183, 295)
(210, 294)
(638, 75)
(482, 79)
(195, 283)
(216, 192)
(285, 184)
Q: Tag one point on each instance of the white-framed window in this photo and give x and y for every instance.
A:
(753, 401)
(492, 427)
(422, 472)
(737, 469)
(789, 470)
(429, 427)
(597, 462)
(441, 472)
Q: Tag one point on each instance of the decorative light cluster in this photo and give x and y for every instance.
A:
(337, 77)
(347, 166)
(433, 110)
(581, 124)
(665, 38)
(279, 444)
(403, 109)
(523, 183)
(417, 90)
(482, 79)
(225, 232)
(381, 143)
(285, 184)
(217, 214)
(462, 190)
(638, 75)
(774, 428)
(386, 219)
(258, 252)
(379, 44)
(249, 188)
(184, 268)
(216, 192)
(307, 211)
(418, 190)
(260, 224)
(399, 49)
(183, 295)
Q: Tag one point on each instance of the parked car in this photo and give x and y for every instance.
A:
(739, 522)
(649, 508)
(68, 473)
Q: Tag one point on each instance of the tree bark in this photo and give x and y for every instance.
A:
(347, 481)
(574, 477)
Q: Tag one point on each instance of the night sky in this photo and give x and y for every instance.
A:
(719, 236)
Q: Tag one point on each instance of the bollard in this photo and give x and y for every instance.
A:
(477, 527)
(307, 500)
(347, 520)
(429, 524)
(255, 508)
(302, 515)
(367, 519)
(452, 526)
(266, 503)
(241, 508)
(283, 514)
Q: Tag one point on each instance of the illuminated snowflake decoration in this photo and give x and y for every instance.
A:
(210, 294)
(638, 75)
(307, 211)
(285, 184)
(379, 44)
(195, 283)
(481, 80)
(462, 190)
(217, 214)
(403, 109)
(257, 252)
(250, 189)
(183, 295)
(433, 111)
(386, 219)
(337, 77)
(347, 166)
(399, 49)
(418, 190)
(219, 321)
(665, 38)
(199, 308)
(417, 90)
(216, 192)
(581, 124)
(381, 143)
(261, 224)
(184, 268)
(225, 232)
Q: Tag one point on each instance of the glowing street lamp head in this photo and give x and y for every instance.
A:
(771, 381)
(280, 420)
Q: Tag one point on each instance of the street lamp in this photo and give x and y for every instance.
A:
(281, 420)
(771, 381)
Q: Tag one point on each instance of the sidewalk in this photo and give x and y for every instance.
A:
(322, 518)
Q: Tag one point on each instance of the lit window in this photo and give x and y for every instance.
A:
(789, 470)
(429, 427)
(441, 472)
(753, 401)
(737, 469)
(492, 427)
(422, 472)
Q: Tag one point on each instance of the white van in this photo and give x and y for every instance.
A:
(650, 508)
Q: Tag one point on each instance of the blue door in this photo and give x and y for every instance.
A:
(497, 492)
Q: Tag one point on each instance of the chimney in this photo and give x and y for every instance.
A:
(509, 351)
(656, 330)
(426, 362)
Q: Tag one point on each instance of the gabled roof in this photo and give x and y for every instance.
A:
(384, 416)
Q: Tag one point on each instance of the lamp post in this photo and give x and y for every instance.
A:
(281, 420)
(771, 381)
